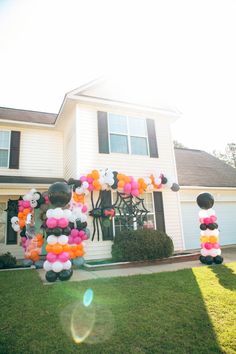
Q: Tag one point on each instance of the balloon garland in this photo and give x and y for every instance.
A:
(210, 248)
(24, 222)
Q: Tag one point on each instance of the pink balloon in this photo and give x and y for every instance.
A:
(63, 222)
(84, 209)
(77, 240)
(127, 188)
(74, 233)
(21, 208)
(63, 257)
(208, 245)
(216, 245)
(90, 187)
(84, 237)
(51, 257)
(81, 233)
(213, 218)
(134, 185)
(71, 240)
(89, 180)
(135, 192)
(83, 178)
(51, 223)
(207, 221)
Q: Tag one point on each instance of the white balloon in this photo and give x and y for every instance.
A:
(85, 184)
(58, 213)
(49, 213)
(203, 214)
(204, 252)
(57, 266)
(211, 212)
(67, 265)
(218, 252)
(16, 228)
(158, 180)
(67, 213)
(63, 239)
(79, 190)
(83, 218)
(213, 252)
(51, 240)
(47, 266)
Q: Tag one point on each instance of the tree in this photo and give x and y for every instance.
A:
(178, 145)
(229, 156)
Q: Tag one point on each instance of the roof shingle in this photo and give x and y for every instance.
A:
(21, 115)
(198, 168)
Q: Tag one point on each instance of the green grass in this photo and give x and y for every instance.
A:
(188, 311)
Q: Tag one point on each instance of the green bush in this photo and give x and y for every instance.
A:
(139, 245)
(7, 260)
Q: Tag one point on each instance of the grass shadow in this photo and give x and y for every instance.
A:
(225, 275)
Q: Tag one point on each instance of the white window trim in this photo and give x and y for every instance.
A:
(8, 149)
(128, 135)
(113, 194)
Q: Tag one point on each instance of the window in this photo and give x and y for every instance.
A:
(127, 135)
(4, 148)
(125, 220)
(2, 222)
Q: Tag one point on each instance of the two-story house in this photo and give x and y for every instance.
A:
(98, 126)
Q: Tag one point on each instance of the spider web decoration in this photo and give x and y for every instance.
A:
(130, 209)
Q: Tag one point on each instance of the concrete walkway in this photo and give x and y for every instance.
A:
(229, 255)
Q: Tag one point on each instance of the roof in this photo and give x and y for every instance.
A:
(198, 168)
(21, 115)
(29, 180)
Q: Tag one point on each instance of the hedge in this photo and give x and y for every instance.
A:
(136, 245)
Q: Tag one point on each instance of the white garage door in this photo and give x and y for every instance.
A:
(226, 214)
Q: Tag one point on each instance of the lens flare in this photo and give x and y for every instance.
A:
(88, 297)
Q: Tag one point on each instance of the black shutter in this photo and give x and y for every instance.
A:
(15, 150)
(107, 232)
(159, 211)
(12, 210)
(152, 141)
(103, 143)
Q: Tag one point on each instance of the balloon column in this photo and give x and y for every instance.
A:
(210, 248)
(58, 264)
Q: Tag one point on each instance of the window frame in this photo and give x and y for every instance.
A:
(128, 135)
(113, 198)
(6, 149)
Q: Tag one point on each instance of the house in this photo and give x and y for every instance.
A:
(200, 172)
(98, 126)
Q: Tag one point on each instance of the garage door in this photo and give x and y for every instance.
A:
(226, 214)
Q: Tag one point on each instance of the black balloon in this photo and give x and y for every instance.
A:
(175, 187)
(212, 226)
(66, 231)
(65, 274)
(209, 260)
(115, 184)
(202, 259)
(218, 259)
(59, 194)
(57, 231)
(205, 201)
(40, 201)
(51, 276)
(203, 227)
(164, 180)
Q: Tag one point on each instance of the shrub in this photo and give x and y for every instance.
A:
(7, 260)
(135, 245)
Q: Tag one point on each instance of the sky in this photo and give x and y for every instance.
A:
(184, 49)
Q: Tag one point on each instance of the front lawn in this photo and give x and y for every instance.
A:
(188, 311)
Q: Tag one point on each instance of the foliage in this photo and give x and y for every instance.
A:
(182, 312)
(229, 156)
(7, 260)
(177, 144)
(140, 244)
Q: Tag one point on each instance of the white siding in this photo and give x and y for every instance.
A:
(88, 159)
(41, 153)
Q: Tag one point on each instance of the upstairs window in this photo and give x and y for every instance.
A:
(4, 148)
(127, 135)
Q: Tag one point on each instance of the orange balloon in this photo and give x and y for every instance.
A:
(26, 211)
(49, 248)
(95, 174)
(120, 177)
(21, 223)
(57, 248)
(213, 239)
(20, 215)
(121, 184)
(79, 253)
(66, 248)
(127, 179)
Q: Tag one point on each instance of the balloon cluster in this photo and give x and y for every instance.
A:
(210, 248)
(24, 223)
(66, 230)
(107, 179)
